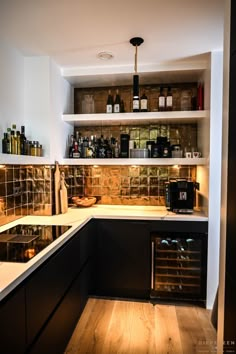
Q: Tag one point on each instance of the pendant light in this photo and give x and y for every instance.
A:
(136, 42)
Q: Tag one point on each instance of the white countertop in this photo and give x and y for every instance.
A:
(12, 274)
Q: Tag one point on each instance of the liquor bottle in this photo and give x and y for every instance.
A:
(136, 93)
(122, 106)
(5, 144)
(71, 147)
(116, 150)
(169, 100)
(13, 142)
(76, 153)
(18, 142)
(101, 148)
(200, 97)
(144, 103)
(161, 100)
(22, 141)
(109, 107)
(9, 139)
(117, 102)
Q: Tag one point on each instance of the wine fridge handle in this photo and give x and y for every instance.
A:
(152, 265)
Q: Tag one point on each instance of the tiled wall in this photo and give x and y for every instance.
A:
(29, 190)
(183, 134)
(138, 185)
(182, 96)
(26, 190)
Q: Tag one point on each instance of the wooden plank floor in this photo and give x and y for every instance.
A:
(130, 327)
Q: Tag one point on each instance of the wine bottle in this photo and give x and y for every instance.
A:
(22, 141)
(117, 102)
(161, 100)
(144, 102)
(109, 106)
(135, 93)
(169, 100)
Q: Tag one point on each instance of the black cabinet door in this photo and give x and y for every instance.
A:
(86, 242)
(59, 328)
(13, 327)
(48, 284)
(122, 258)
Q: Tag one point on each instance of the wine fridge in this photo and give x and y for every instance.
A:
(178, 265)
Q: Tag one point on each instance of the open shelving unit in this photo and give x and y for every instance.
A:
(140, 118)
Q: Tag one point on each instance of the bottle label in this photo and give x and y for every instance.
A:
(162, 101)
(136, 104)
(144, 104)
(169, 101)
(116, 108)
(109, 108)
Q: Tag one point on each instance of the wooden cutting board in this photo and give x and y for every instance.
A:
(64, 200)
(63, 194)
(57, 183)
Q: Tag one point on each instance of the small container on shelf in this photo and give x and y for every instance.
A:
(88, 104)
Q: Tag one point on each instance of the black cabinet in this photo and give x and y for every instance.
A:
(13, 327)
(59, 328)
(122, 258)
(48, 284)
(52, 290)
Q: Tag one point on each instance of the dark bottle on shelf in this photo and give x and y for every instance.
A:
(117, 102)
(169, 100)
(144, 103)
(161, 100)
(109, 106)
(22, 141)
(5, 144)
(122, 106)
(101, 148)
(136, 93)
(200, 97)
(71, 147)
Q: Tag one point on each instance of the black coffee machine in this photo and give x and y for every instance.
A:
(180, 195)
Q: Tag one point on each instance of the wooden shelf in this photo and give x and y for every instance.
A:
(138, 118)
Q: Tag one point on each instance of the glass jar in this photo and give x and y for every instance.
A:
(88, 104)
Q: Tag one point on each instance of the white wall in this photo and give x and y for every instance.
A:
(214, 175)
(47, 96)
(11, 88)
(37, 101)
(61, 94)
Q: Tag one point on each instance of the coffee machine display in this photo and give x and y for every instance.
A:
(180, 195)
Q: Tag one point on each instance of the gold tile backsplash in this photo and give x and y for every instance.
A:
(183, 134)
(26, 190)
(138, 185)
(29, 190)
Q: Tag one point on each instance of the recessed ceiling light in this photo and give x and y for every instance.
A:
(105, 55)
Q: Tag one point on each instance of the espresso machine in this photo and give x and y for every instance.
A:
(180, 195)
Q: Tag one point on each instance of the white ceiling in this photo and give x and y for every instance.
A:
(73, 32)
